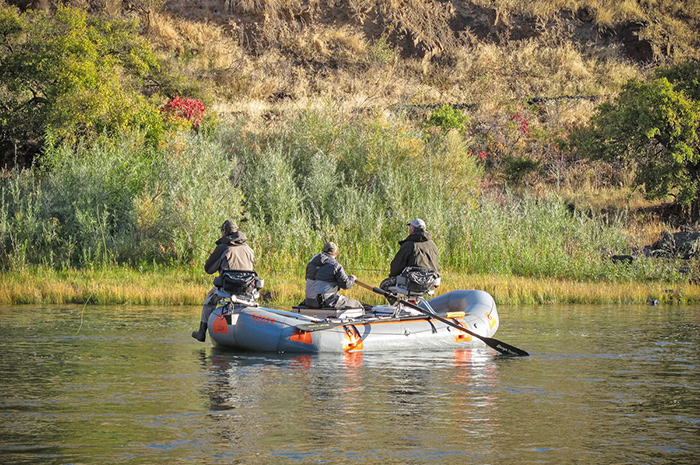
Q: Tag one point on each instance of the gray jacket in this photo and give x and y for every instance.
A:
(232, 252)
(324, 278)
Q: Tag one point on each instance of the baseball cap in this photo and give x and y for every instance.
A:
(417, 223)
(330, 247)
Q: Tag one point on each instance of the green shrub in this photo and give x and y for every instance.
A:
(685, 77)
(447, 118)
(70, 76)
(652, 128)
(118, 200)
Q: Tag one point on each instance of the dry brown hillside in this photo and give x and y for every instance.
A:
(263, 57)
(426, 29)
(255, 54)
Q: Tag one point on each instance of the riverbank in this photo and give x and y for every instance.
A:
(187, 286)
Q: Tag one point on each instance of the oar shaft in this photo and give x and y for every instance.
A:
(370, 287)
(495, 344)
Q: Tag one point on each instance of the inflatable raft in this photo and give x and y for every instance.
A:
(241, 323)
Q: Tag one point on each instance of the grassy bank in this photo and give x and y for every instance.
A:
(314, 178)
(187, 286)
(138, 223)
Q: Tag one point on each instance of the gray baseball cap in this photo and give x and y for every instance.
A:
(417, 223)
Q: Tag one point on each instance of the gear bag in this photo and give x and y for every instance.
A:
(418, 280)
(237, 282)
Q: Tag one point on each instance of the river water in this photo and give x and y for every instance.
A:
(98, 385)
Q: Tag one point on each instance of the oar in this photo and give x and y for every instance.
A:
(502, 347)
(320, 326)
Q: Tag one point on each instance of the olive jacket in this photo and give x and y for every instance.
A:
(417, 249)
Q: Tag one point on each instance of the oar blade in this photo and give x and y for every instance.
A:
(503, 348)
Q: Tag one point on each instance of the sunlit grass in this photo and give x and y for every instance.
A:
(116, 286)
(285, 288)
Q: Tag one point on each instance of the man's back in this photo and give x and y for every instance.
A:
(417, 249)
(232, 252)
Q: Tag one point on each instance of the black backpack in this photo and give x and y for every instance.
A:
(417, 280)
(237, 282)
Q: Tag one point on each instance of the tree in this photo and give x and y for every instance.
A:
(652, 128)
(684, 77)
(67, 76)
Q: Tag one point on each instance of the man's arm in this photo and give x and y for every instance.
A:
(213, 263)
(342, 279)
(400, 261)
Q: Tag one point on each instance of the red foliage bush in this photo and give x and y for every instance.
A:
(189, 109)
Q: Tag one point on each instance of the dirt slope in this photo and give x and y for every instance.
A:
(421, 28)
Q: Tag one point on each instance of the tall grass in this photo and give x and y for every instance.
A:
(114, 286)
(116, 201)
(169, 286)
(309, 179)
(526, 236)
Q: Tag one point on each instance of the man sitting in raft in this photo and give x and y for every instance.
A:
(232, 252)
(324, 278)
(418, 249)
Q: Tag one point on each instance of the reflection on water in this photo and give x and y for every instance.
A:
(107, 385)
(397, 404)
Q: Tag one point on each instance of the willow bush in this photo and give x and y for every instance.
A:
(357, 183)
(309, 179)
(117, 200)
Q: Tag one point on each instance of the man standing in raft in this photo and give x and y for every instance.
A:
(232, 252)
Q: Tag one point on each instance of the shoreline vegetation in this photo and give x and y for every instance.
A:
(129, 138)
(187, 287)
(118, 222)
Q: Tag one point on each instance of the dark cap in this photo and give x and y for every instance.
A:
(229, 227)
(330, 247)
